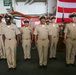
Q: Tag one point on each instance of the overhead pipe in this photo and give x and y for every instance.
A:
(31, 2)
(26, 2)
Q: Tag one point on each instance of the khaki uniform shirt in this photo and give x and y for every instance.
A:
(11, 31)
(54, 29)
(26, 32)
(42, 31)
(2, 24)
(70, 30)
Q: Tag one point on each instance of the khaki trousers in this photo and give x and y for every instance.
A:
(53, 47)
(42, 46)
(70, 51)
(2, 49)
(26, 44)
(10, 47)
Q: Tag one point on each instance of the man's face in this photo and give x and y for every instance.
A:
(47, 23)
(8, 20)
(26, 24)
(43, 21)
(53, 20)
(75, 19)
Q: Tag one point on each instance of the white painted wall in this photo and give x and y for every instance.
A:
(35, 8)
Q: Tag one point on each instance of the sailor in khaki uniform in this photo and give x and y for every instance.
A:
(41, 41)
(54, 30)
(70, 39)
(2, 49)
(26, 32)
(10, 32)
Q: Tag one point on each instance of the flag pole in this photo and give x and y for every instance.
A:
(63, 16)
(62, 24)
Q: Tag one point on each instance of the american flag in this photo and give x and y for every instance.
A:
(68, 6)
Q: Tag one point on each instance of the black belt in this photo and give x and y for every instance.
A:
(9, 39)
(54, 36)
(43, 39)
(27, 39)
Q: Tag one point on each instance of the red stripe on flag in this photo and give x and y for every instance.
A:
(66, 10)
(68, 1)
(59, 20)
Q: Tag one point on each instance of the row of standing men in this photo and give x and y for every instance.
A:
(45, 36)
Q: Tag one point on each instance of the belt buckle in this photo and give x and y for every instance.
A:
(54, 36)
(43, 39)
(26, 39)
(9, 39)
(73, 39)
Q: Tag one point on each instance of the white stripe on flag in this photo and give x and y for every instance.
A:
(66, 4)
(59, 15)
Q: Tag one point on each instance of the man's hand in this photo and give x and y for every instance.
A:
(36, 44)
(65, 37)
